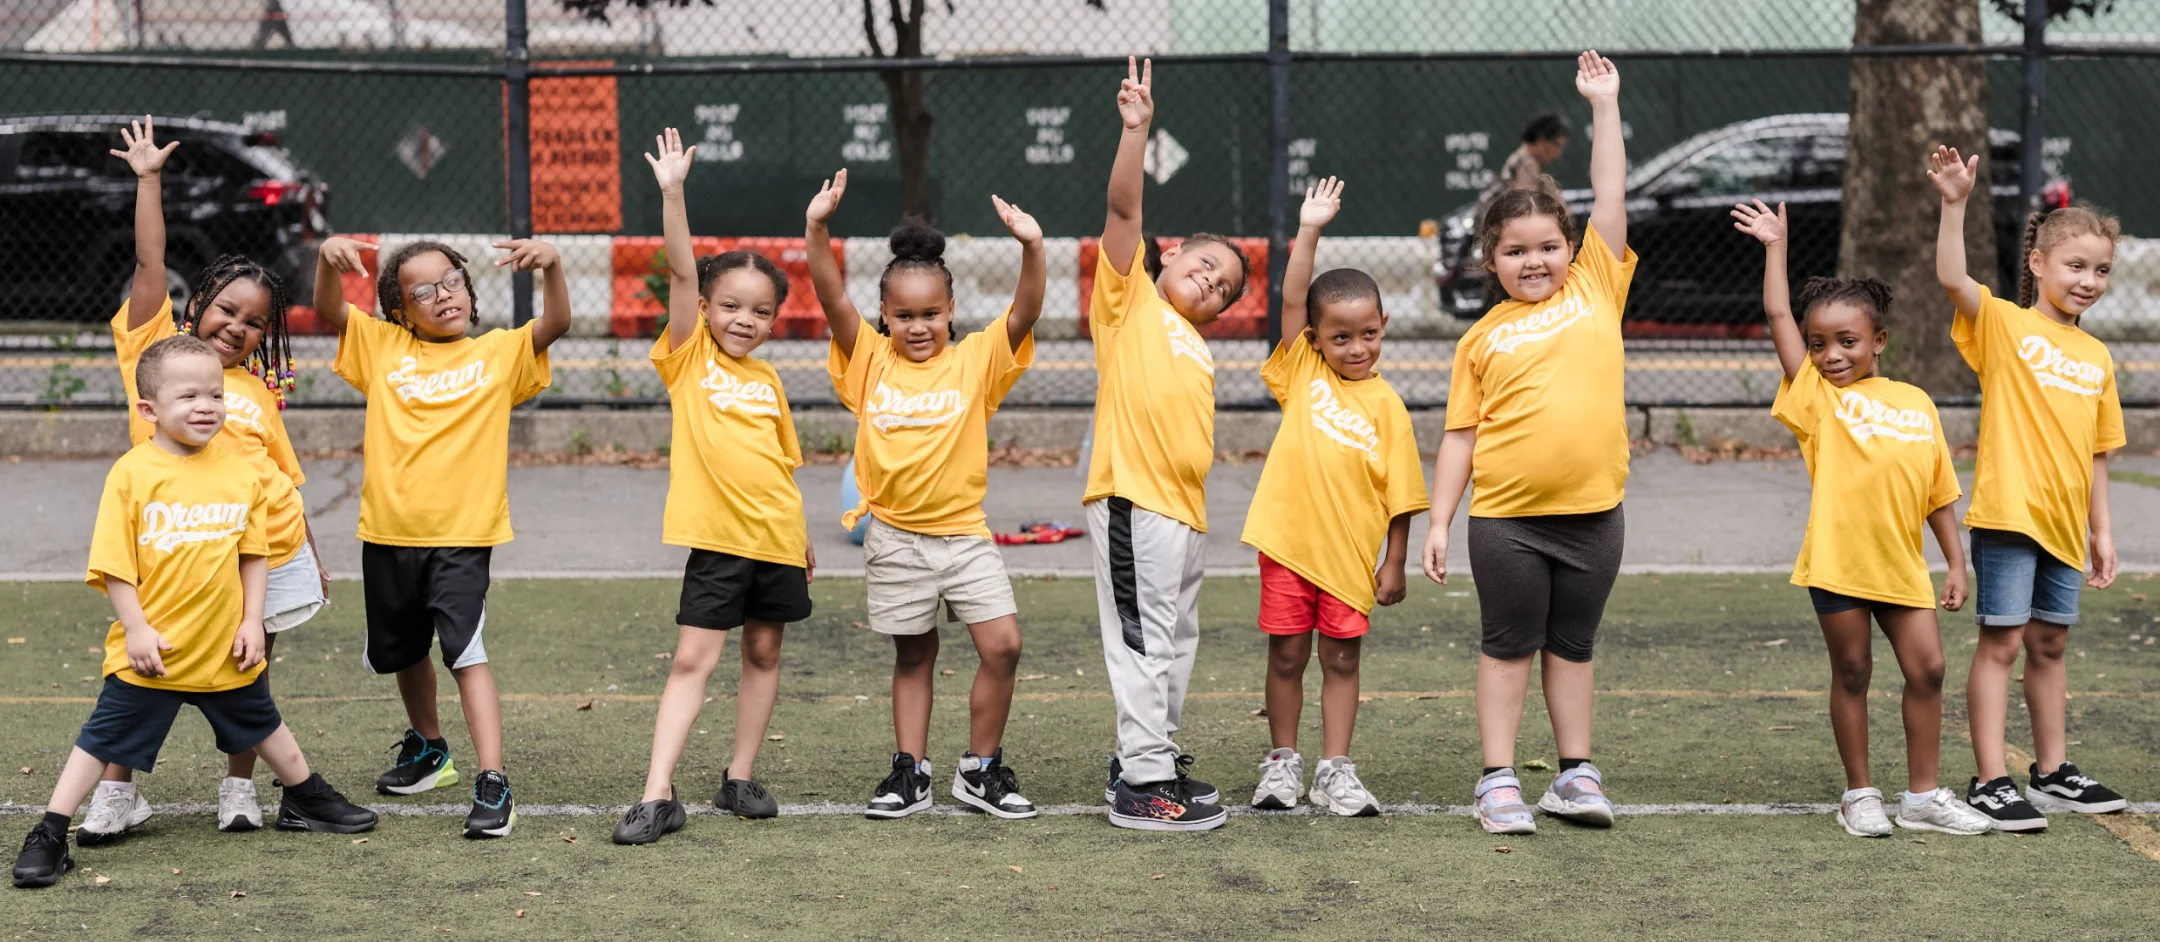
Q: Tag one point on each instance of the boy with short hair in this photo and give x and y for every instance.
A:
(179, 548)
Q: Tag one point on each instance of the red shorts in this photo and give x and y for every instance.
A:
(1291, 605)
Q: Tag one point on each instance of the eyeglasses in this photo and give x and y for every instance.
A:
(430, 293)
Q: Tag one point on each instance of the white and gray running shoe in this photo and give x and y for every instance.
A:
(1578, 795)
(1336, 789)
(1860, 813)
(1943, 814)
(237, 809)
(1500, 808)
(1282, 776)
(112, 812)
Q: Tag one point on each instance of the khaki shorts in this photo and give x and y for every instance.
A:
(910, 573)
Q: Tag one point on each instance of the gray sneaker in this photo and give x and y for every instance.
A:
(1578, 795)
(112, 813)
(1282, 776)
(1860, 813)
(1336, 789)
(1943, 814)
(1500, 808)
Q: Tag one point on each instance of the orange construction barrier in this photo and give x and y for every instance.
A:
(300, 319)
(640, 277)
(1245, 319)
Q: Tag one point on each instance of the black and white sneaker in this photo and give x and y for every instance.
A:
(493, 813)
(990, 785)
(648, 821)
(44, 858)
(314, 806)
(745, 798)
(422, 764)
(904, 792)
(1999, 800)
(1162, 806)
(1195, 789)
(2067, 789)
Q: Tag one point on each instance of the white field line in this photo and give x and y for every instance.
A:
(845, 810)
(1213, 572)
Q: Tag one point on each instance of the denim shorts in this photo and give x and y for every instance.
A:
(294, 594)
(2015, 581)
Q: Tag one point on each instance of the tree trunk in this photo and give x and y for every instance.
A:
(1901, 109)
(911, 137)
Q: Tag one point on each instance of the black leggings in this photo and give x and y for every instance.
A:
(1542, 581)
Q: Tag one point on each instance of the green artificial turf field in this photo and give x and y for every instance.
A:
(1712, 698)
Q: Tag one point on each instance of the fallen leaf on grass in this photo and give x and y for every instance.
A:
(26, 770)
(966, 887)
(18, 640)
(1503, 849)
(2134, 597)
(948, 672)
(1773, 643)
(569, 839)
(1537, 765)
(664, 656)
(1015, 869)
(103, 879)
(587, 705)
(1782, 729)
(859, 624)
(176, 871)
(239, 894)
(1919, 840)
(1034, 676)
(1364, 699)
(532, 892)
(776, 737)
(359, 840)
(1158, 876)
(520, 914)
(1260, 712)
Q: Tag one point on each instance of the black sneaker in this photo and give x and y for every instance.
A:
(745, 798)
(492, 811)
(904, 792)
(44, 858)
(1161, 806)
(1999, 799)
(1195, 789)
(314, 806)
(2067, 789)
(990, 785)
(646, 822)
(422, 764)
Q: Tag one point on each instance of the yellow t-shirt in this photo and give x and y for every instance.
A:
(175, 529)
(1154, 398)
(2047, 406)
(1344, 465)
(731, 469)
(1544, 385)
(437, 469)
(922, 430)
(254, 428)
(1876, 455)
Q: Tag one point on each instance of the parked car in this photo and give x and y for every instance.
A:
(67, 212)
(1699, 276)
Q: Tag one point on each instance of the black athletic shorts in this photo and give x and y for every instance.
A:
(1542, 581)
(721, 591)
(129, 724)
(417, 594)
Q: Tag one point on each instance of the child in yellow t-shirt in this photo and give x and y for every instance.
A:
(922, 399)
(238, 307)
(731, 501)
(1881, 470)
(1535, 421)
(1146, 496)
(2049, 416)
(179, 547)
(434, 496)
(1342, 478)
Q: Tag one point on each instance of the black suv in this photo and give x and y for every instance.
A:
(1697, 275)
(67, 211)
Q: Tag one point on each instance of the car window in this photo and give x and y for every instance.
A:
(204, 159)
(1743, 168)
(1821, 164)
(56, 156)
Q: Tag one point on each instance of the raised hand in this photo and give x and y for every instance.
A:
(827, 201)
(1022, 226)
(343, 254)
(1757, 220)
(1595, 77)
(1952, 175)
(1322, 201)
(1135, 95)
(527, 255)
(140, 150)
(673, 164)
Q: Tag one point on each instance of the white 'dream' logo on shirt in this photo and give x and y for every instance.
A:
(438, 388)
(1537, 325)
(1867, 418)
(1336, 421)
(2051, 367)
(241, 409)
(1186, 342)
(753, 397)
(166, 526)
(890, 408)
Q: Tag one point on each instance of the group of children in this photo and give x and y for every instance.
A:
(203, 547)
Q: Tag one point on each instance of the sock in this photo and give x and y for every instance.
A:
(1566, 764)
(442, 744)
(923, 766)
(1915, 801)
(55, 823)
(117, 788)
(1490, 769)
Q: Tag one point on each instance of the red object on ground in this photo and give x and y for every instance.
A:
(634, 310)
(1039, 532)
(1245, 319)
(300, 319)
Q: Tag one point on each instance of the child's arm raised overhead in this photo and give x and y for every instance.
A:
(1322, 201)
(338, 257)
(1034, 271)
(541, 256)
(825, 274)
(1128, 174)
(1599, 82)
(1953, 177)
(670, 168)
(1770, 228)
(146, 294)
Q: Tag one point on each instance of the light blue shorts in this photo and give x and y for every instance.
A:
(2015, 581)
(295, 593)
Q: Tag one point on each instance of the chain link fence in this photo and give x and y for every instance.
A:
(388, 119)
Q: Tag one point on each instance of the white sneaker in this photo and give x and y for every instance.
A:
(112, 812)
(1860, 813)
(1336, 789)
(1282, 776)
(237, 809)
(1944, 814)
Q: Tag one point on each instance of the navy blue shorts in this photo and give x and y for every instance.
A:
(129, 724)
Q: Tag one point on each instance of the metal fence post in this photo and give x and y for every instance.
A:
(517, 130)
(2033, 127)
(1278, 203)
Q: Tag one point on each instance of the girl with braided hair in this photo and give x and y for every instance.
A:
(238, 307)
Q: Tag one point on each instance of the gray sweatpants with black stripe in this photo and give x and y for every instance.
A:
(1148, 569)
